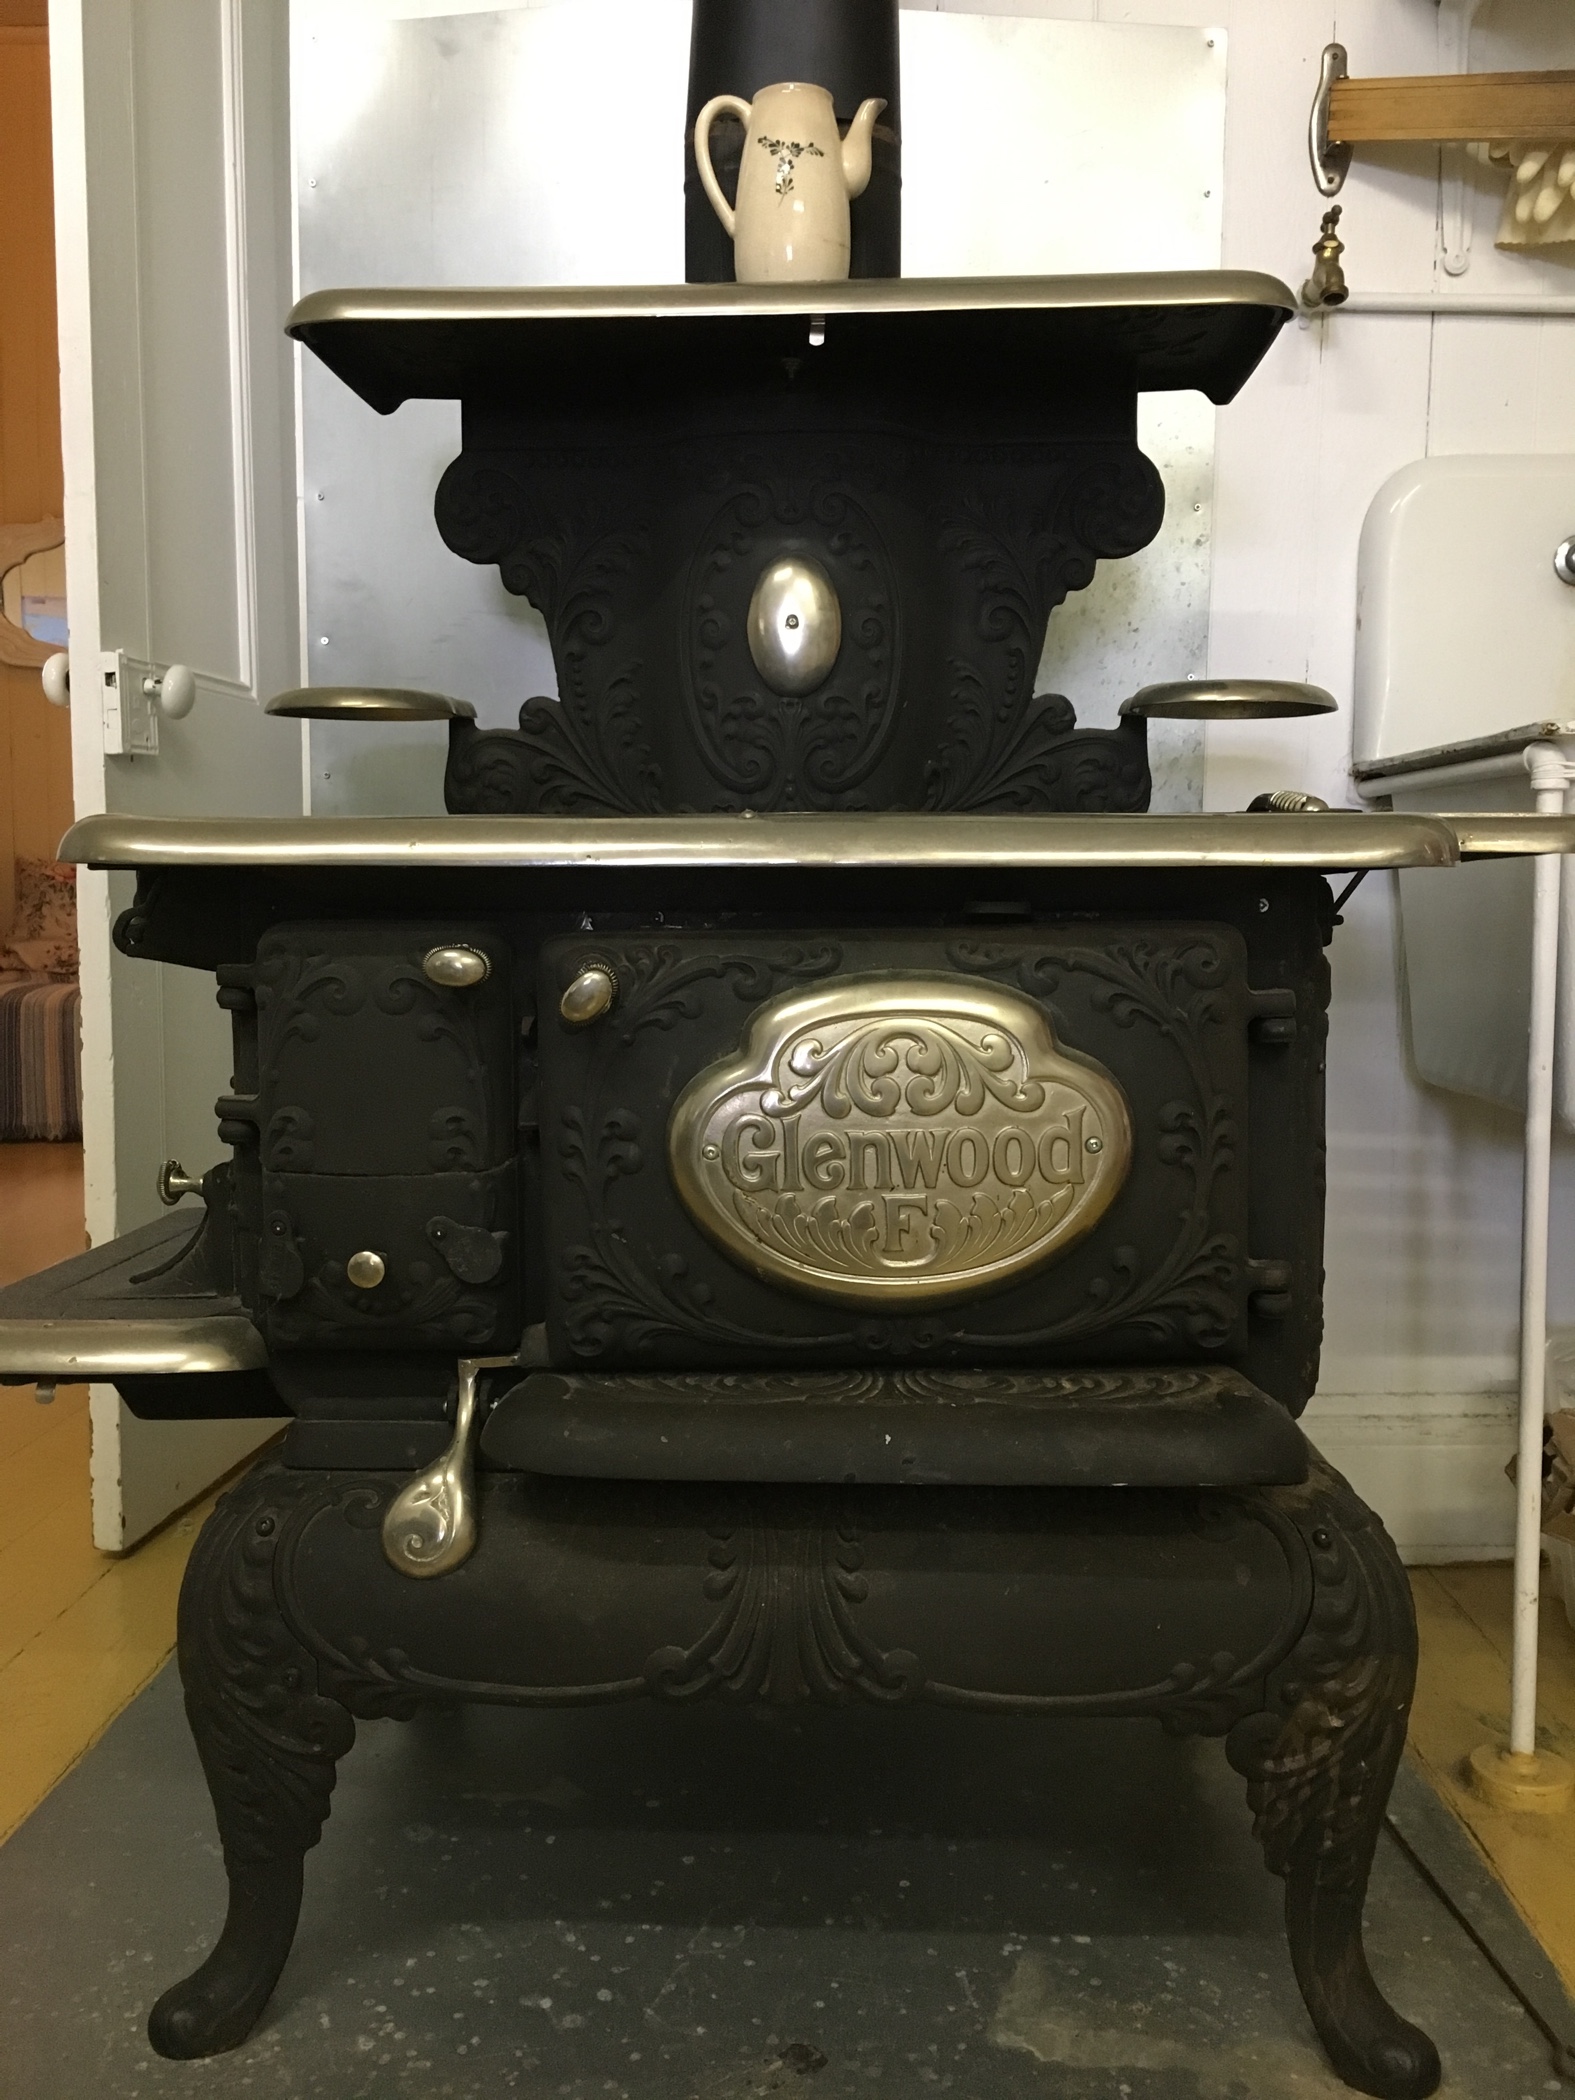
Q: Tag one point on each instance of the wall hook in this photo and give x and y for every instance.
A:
(1330, 164)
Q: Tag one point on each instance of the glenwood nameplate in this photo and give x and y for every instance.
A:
(897, 1138)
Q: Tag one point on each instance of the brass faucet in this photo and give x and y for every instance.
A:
(1327, 286)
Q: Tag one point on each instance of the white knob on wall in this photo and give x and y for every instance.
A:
(56, 675)
(175, 694)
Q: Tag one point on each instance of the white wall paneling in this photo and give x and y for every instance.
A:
(1424, 1186)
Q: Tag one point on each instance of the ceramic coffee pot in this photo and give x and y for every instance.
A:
(795, 181)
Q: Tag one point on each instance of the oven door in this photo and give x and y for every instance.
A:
(897, 1147)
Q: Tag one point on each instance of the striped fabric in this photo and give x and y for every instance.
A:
(40, 1061)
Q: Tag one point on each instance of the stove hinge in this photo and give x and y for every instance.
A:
(1271, 1017)
(1268, 1289)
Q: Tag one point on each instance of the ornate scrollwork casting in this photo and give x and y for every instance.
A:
(1191, 1297)
(589, 751)
(770, 751)
(609, 1294)
(1003, 747)
(993, 570)
(785, 1628)
(275, 1668)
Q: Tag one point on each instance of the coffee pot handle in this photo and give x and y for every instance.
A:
(718, 104)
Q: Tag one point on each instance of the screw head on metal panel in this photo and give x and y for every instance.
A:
(1564, 560)
(589, 995)
(794, 625)
(455, 967)
(366, 1270)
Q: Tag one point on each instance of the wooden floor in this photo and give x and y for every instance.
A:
(1462, 1699)
(81, 1632)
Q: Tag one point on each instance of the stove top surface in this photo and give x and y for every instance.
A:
(1332, 839)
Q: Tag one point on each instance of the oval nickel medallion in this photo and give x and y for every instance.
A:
(899, 1140)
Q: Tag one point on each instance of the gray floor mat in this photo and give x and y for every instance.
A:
(717, 1904)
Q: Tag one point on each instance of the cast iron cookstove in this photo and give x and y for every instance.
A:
(797, 1184)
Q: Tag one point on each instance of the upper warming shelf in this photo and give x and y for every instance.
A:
(1149, 333)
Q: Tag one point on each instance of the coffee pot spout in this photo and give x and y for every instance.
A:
(856, 147)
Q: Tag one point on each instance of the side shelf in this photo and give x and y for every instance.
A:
(141, 1308)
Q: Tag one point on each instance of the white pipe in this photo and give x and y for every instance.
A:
(1504, 765)
(1557, 306)
(1550, 773)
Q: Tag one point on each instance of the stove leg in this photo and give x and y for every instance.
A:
(1319, 1766)
(268, 1738)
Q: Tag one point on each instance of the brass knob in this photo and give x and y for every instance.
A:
(366, 1270)
(590, 995)
(172, 1182)
(455, 968)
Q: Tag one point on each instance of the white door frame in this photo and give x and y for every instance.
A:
(152, 1045)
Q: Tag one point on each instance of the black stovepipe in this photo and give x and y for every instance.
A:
(848, 47)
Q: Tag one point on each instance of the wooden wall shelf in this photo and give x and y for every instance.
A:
(1452, 106)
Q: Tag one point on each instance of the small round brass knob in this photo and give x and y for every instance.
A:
(455, 968)
(590, 995)
(366, 1270)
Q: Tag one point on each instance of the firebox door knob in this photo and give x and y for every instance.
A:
(366, 1270)
(590, 995)
(794, 626)
(455, 968)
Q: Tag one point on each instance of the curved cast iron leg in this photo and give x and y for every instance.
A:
(216, 2007)
(1319, 1766)
(268, 1739)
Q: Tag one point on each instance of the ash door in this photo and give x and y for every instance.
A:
(386, 1206)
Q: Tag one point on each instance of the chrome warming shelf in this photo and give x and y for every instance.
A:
(129, 1312)
(1339, 840)
(1156, 332)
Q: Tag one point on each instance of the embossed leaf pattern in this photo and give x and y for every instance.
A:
(949, 1071)
(1191, 1296)
(819, 1236)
